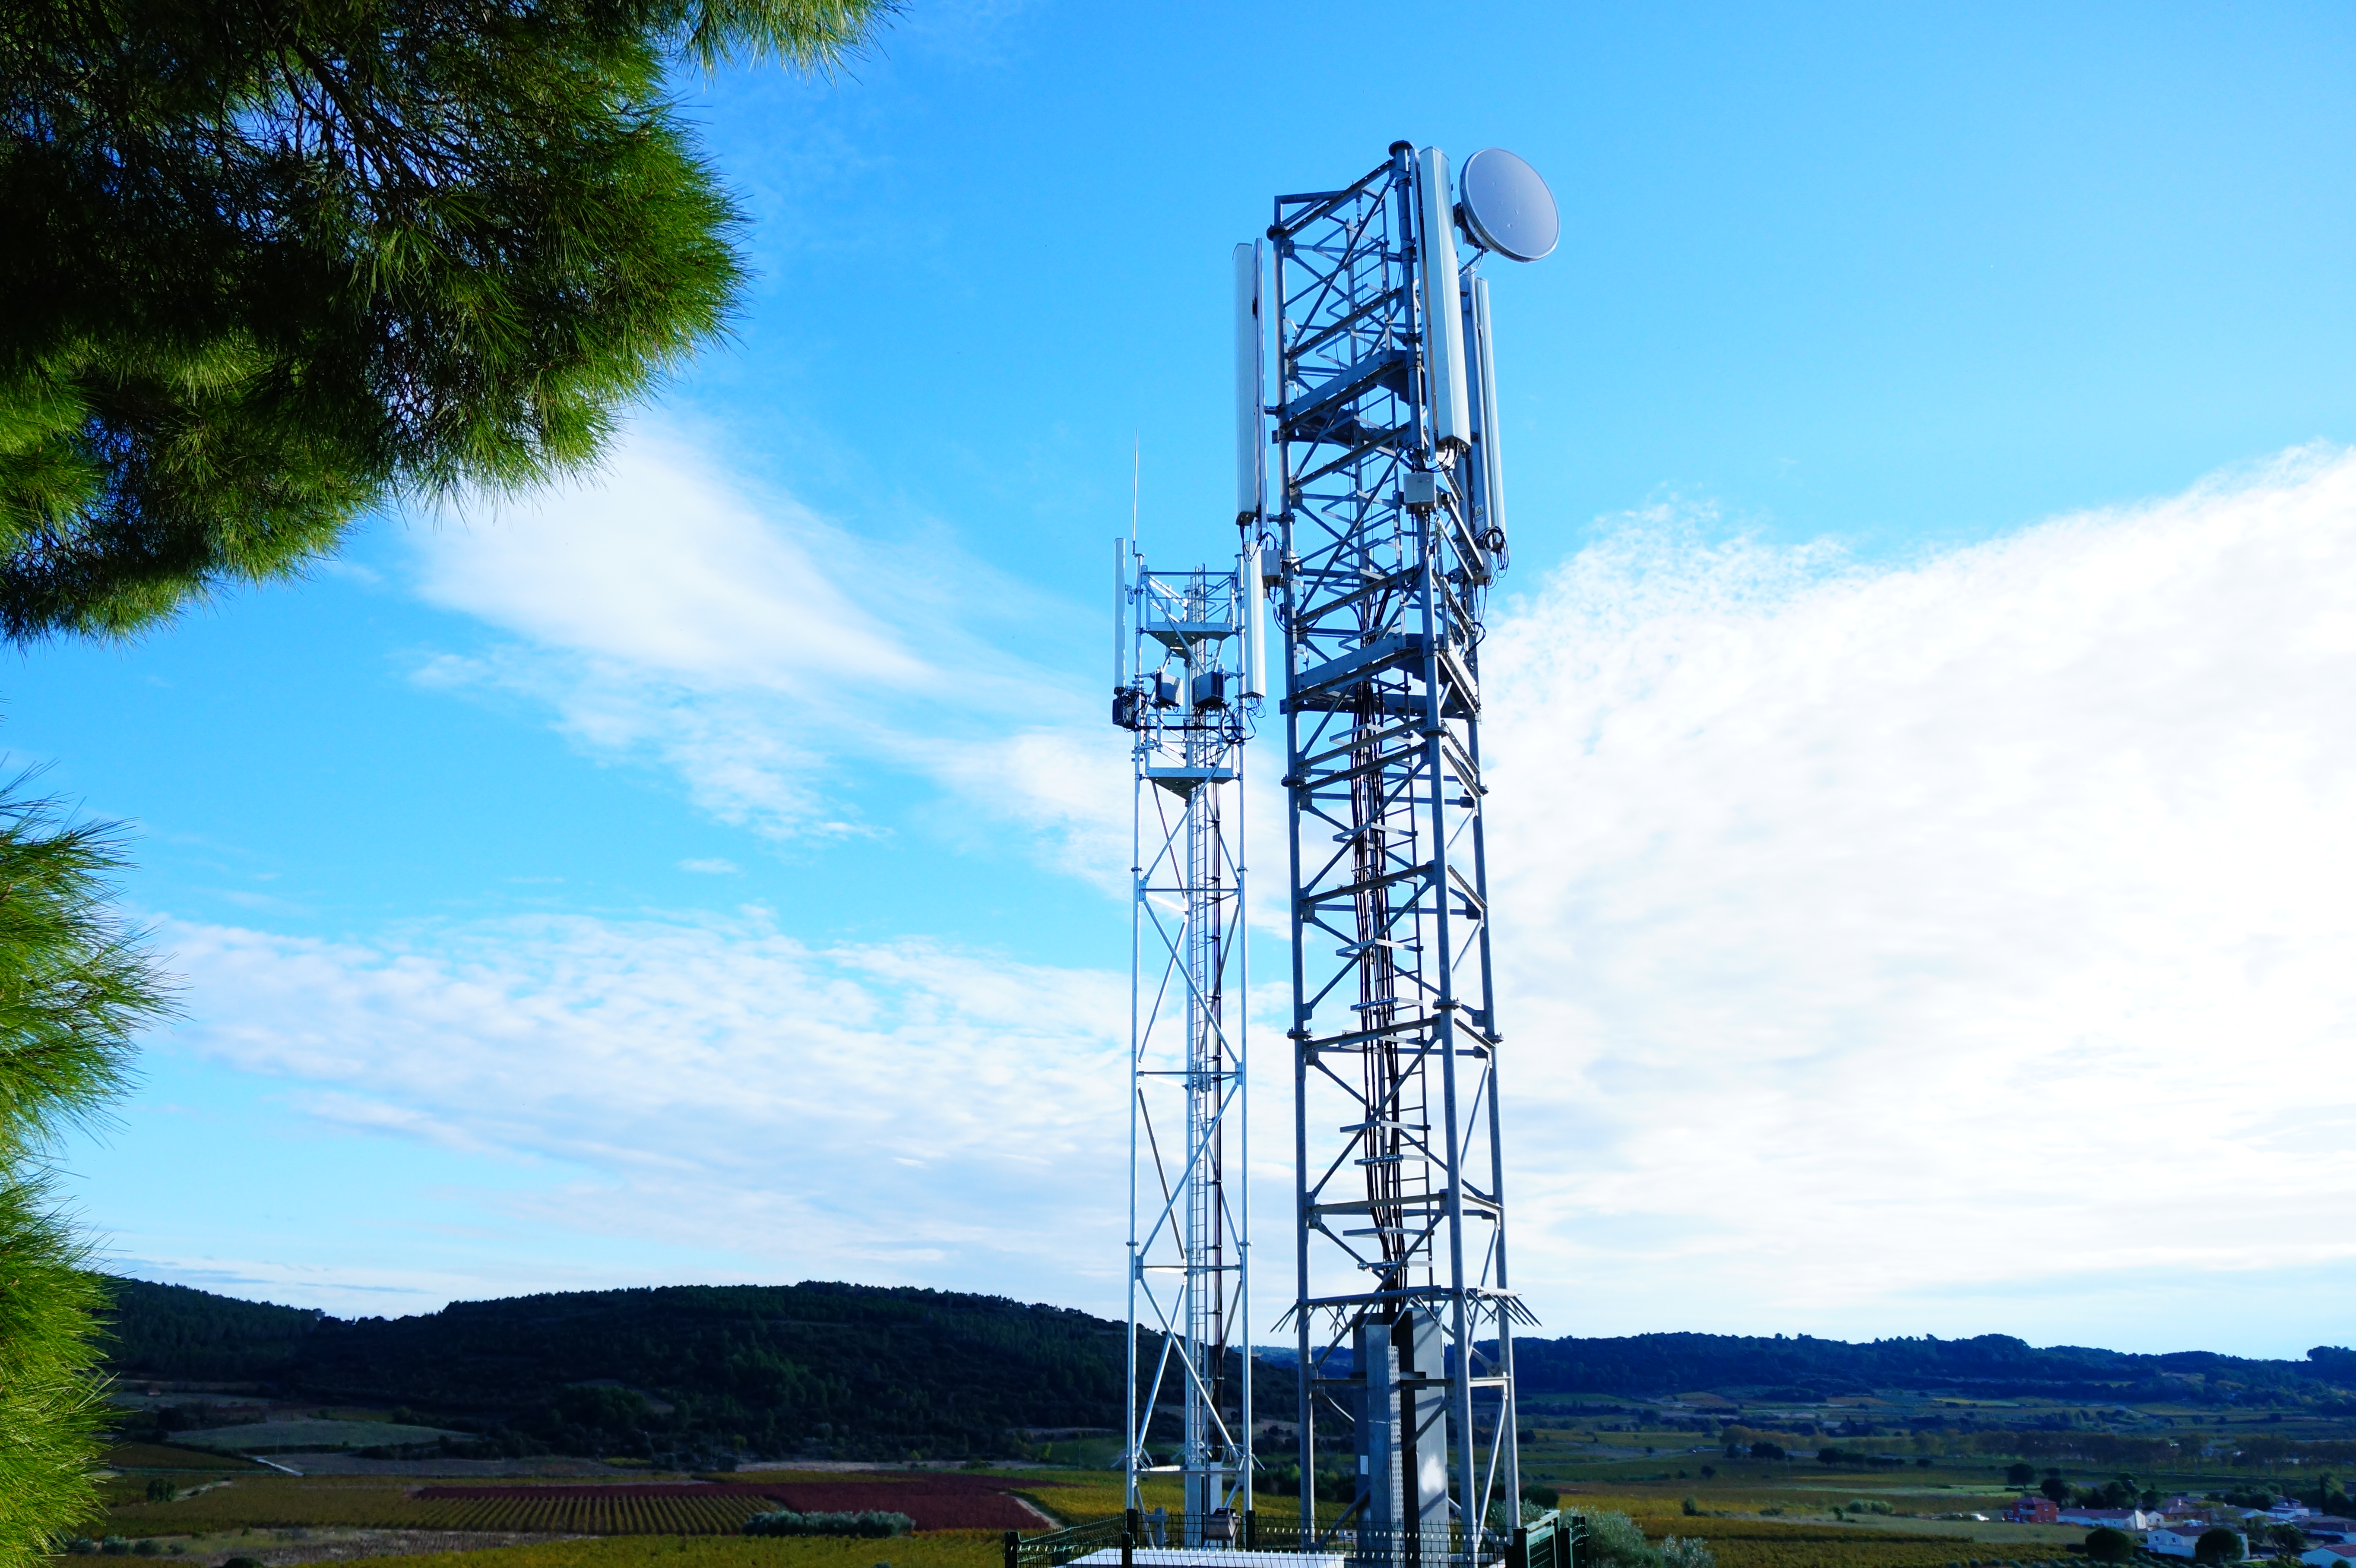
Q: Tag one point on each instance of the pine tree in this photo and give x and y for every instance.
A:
(272, 263)
(76, 986)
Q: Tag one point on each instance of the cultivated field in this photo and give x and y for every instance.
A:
(948, 1548)
(679, 1506)
(1752, 1514)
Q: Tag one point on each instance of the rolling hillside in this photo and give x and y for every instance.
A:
(863, 1372)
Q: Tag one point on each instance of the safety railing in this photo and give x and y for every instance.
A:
(1156, 1539)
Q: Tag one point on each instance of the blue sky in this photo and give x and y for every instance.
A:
(1924, 669)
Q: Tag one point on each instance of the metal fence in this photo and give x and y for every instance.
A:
(1223, 1541)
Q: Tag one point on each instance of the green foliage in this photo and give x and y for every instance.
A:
(868, 1523)
(2217, 1545)
(1801, 1369)
(2105, 1544)
(75, 988)
(50, 1407)
(1615, 1540)
(694, 1373)
(284, 260)
(75, 982)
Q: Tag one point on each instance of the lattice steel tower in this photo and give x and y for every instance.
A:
(1187, 662)
(1384, 497)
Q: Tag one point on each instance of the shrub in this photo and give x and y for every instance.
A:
(160, 1490)
(785, 1522)
(1692, 1552)
(1614, 1541)
(114, 1546)
(145, 1547)
(1545, 1497)
(2107, 1545)
(2217, 1545)
(242, 1562)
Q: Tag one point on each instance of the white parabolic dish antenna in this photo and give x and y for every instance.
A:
(1506, 206)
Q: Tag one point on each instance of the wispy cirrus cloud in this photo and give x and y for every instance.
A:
(672, 613)
(893, 1111)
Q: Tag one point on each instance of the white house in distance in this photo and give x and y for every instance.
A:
(2338, 1555)
(2116, 1518)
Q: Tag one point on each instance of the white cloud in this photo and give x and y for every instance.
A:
(661, 566)
(1956, 945)
(893, 1113)
(1875, 940)
(777, 664)
(713, 867)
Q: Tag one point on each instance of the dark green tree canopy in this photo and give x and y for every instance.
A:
(2105, 1544)
(271, 263)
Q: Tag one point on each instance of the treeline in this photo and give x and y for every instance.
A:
(699, 1373)
(2186, 1450)
(1804, 1369)
(694, 1373)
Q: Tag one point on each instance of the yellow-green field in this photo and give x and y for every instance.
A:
(1078, 1497)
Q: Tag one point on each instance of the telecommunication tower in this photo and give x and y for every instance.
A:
(1187, 662)
(1382, 488)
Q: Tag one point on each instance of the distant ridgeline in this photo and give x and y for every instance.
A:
(855, 1372)
(1993, 1364)
(859, 1371)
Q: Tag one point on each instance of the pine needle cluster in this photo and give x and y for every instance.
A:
(77, 985)
(274, 263)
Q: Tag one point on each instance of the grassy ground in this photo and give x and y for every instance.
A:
(154, 1456)
(276, 1436)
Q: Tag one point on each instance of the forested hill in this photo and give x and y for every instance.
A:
(853, 1371)
(859, 1372)
(1802, 1367)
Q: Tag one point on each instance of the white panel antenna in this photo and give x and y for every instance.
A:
(1492, 461)
(1255, 613)
(1119, 613)
(1250, 451)
(1451, 423)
